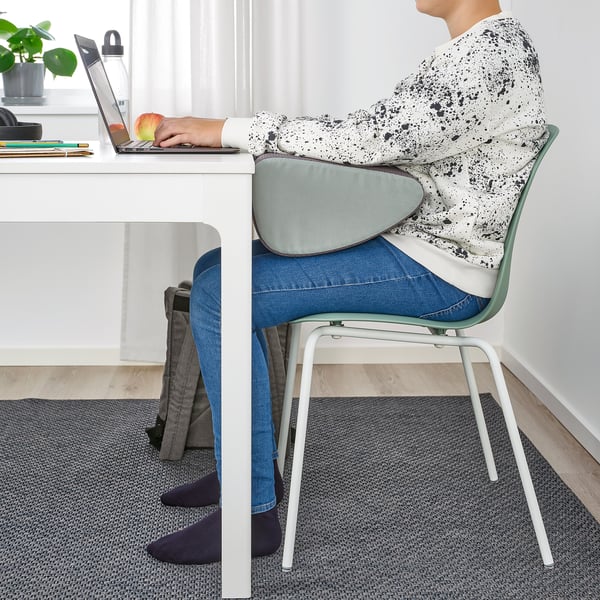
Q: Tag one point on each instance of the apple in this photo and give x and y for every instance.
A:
(146, 124)
(113, 127)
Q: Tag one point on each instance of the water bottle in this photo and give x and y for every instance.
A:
(112, 57)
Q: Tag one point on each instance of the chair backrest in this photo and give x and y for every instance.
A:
(501, 288)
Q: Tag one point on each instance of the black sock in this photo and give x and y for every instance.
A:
(200, 543)
(202, 492)
(206, 491)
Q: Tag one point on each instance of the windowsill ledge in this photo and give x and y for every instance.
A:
(54, 102)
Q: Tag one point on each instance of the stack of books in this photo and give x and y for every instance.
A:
(43, 148)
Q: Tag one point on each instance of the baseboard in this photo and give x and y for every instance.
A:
(38, 357)
(559, 407)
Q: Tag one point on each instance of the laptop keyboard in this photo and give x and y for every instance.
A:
(138, 144)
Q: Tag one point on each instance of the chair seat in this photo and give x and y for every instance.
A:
(438, 326)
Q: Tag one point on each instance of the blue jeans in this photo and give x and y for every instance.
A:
(372, 277)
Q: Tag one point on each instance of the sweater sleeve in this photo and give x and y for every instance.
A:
(449, 105)
(235, 133)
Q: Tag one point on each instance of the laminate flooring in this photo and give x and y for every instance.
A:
(570, 460)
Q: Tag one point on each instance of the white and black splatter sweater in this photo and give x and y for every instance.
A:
(467, 125)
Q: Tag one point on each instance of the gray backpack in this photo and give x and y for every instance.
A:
(184, 417)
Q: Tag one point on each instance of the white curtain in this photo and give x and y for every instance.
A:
(210, 58)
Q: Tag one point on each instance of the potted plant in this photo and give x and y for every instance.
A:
(25, 77)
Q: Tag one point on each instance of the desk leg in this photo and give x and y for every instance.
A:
(236, 243)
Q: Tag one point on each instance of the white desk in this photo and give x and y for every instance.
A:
(213, 189)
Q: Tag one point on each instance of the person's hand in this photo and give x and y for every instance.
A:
(189, 130)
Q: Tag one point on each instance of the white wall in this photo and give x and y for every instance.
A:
(354, 57)
(61, 293)
(551, 332)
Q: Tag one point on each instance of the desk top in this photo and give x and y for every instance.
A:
(105, 160)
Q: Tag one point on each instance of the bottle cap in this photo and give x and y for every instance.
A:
(109, 49)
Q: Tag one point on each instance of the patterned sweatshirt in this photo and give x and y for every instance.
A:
(467, 124)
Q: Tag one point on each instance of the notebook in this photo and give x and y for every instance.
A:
(109, 109)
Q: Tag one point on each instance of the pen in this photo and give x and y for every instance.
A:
(34, 141)
(43, 145)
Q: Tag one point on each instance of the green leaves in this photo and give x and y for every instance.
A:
(6, 29)
(42, 30)
(27, 43)
(7, 59)
(60, 61)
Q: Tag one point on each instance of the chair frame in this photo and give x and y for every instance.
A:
(438, 336)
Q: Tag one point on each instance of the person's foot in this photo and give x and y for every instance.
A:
(200, 543)
(202, 492)
(206, 491)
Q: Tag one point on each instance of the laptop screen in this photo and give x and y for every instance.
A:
(105, 97)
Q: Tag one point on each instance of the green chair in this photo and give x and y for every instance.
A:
(437, 335)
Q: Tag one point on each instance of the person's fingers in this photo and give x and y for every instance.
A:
(181, 138)
(166, 129)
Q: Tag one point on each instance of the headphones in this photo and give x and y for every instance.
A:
(13, 129)
(7, 118)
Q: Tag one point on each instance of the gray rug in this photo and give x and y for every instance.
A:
(396, 504)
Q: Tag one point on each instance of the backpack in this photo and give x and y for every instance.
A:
(184, 417)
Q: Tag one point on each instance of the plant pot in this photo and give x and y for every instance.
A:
(24, 80)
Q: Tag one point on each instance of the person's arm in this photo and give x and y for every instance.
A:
(445, 108)
(232, 132)
(442, 110)
(236, 132)
(189, 130)
(424, 120)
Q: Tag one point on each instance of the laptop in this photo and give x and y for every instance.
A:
(109, 109)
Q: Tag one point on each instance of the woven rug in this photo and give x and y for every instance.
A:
(396, 504)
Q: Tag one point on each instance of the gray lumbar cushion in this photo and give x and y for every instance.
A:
(305, 206)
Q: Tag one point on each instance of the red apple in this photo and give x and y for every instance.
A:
(113, 127)
(146, 124)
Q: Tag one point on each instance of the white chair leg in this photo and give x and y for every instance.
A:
(301, 426)
(517, 447)
(503, 398)
(476, 402)
(286, 409)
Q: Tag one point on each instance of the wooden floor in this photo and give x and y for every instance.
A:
(574, 465)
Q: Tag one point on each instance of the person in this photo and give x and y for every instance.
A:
(468, 125)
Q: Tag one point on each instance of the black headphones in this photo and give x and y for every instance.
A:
(7, 118)
(13, 129)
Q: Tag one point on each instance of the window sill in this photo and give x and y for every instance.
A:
(55, 102)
